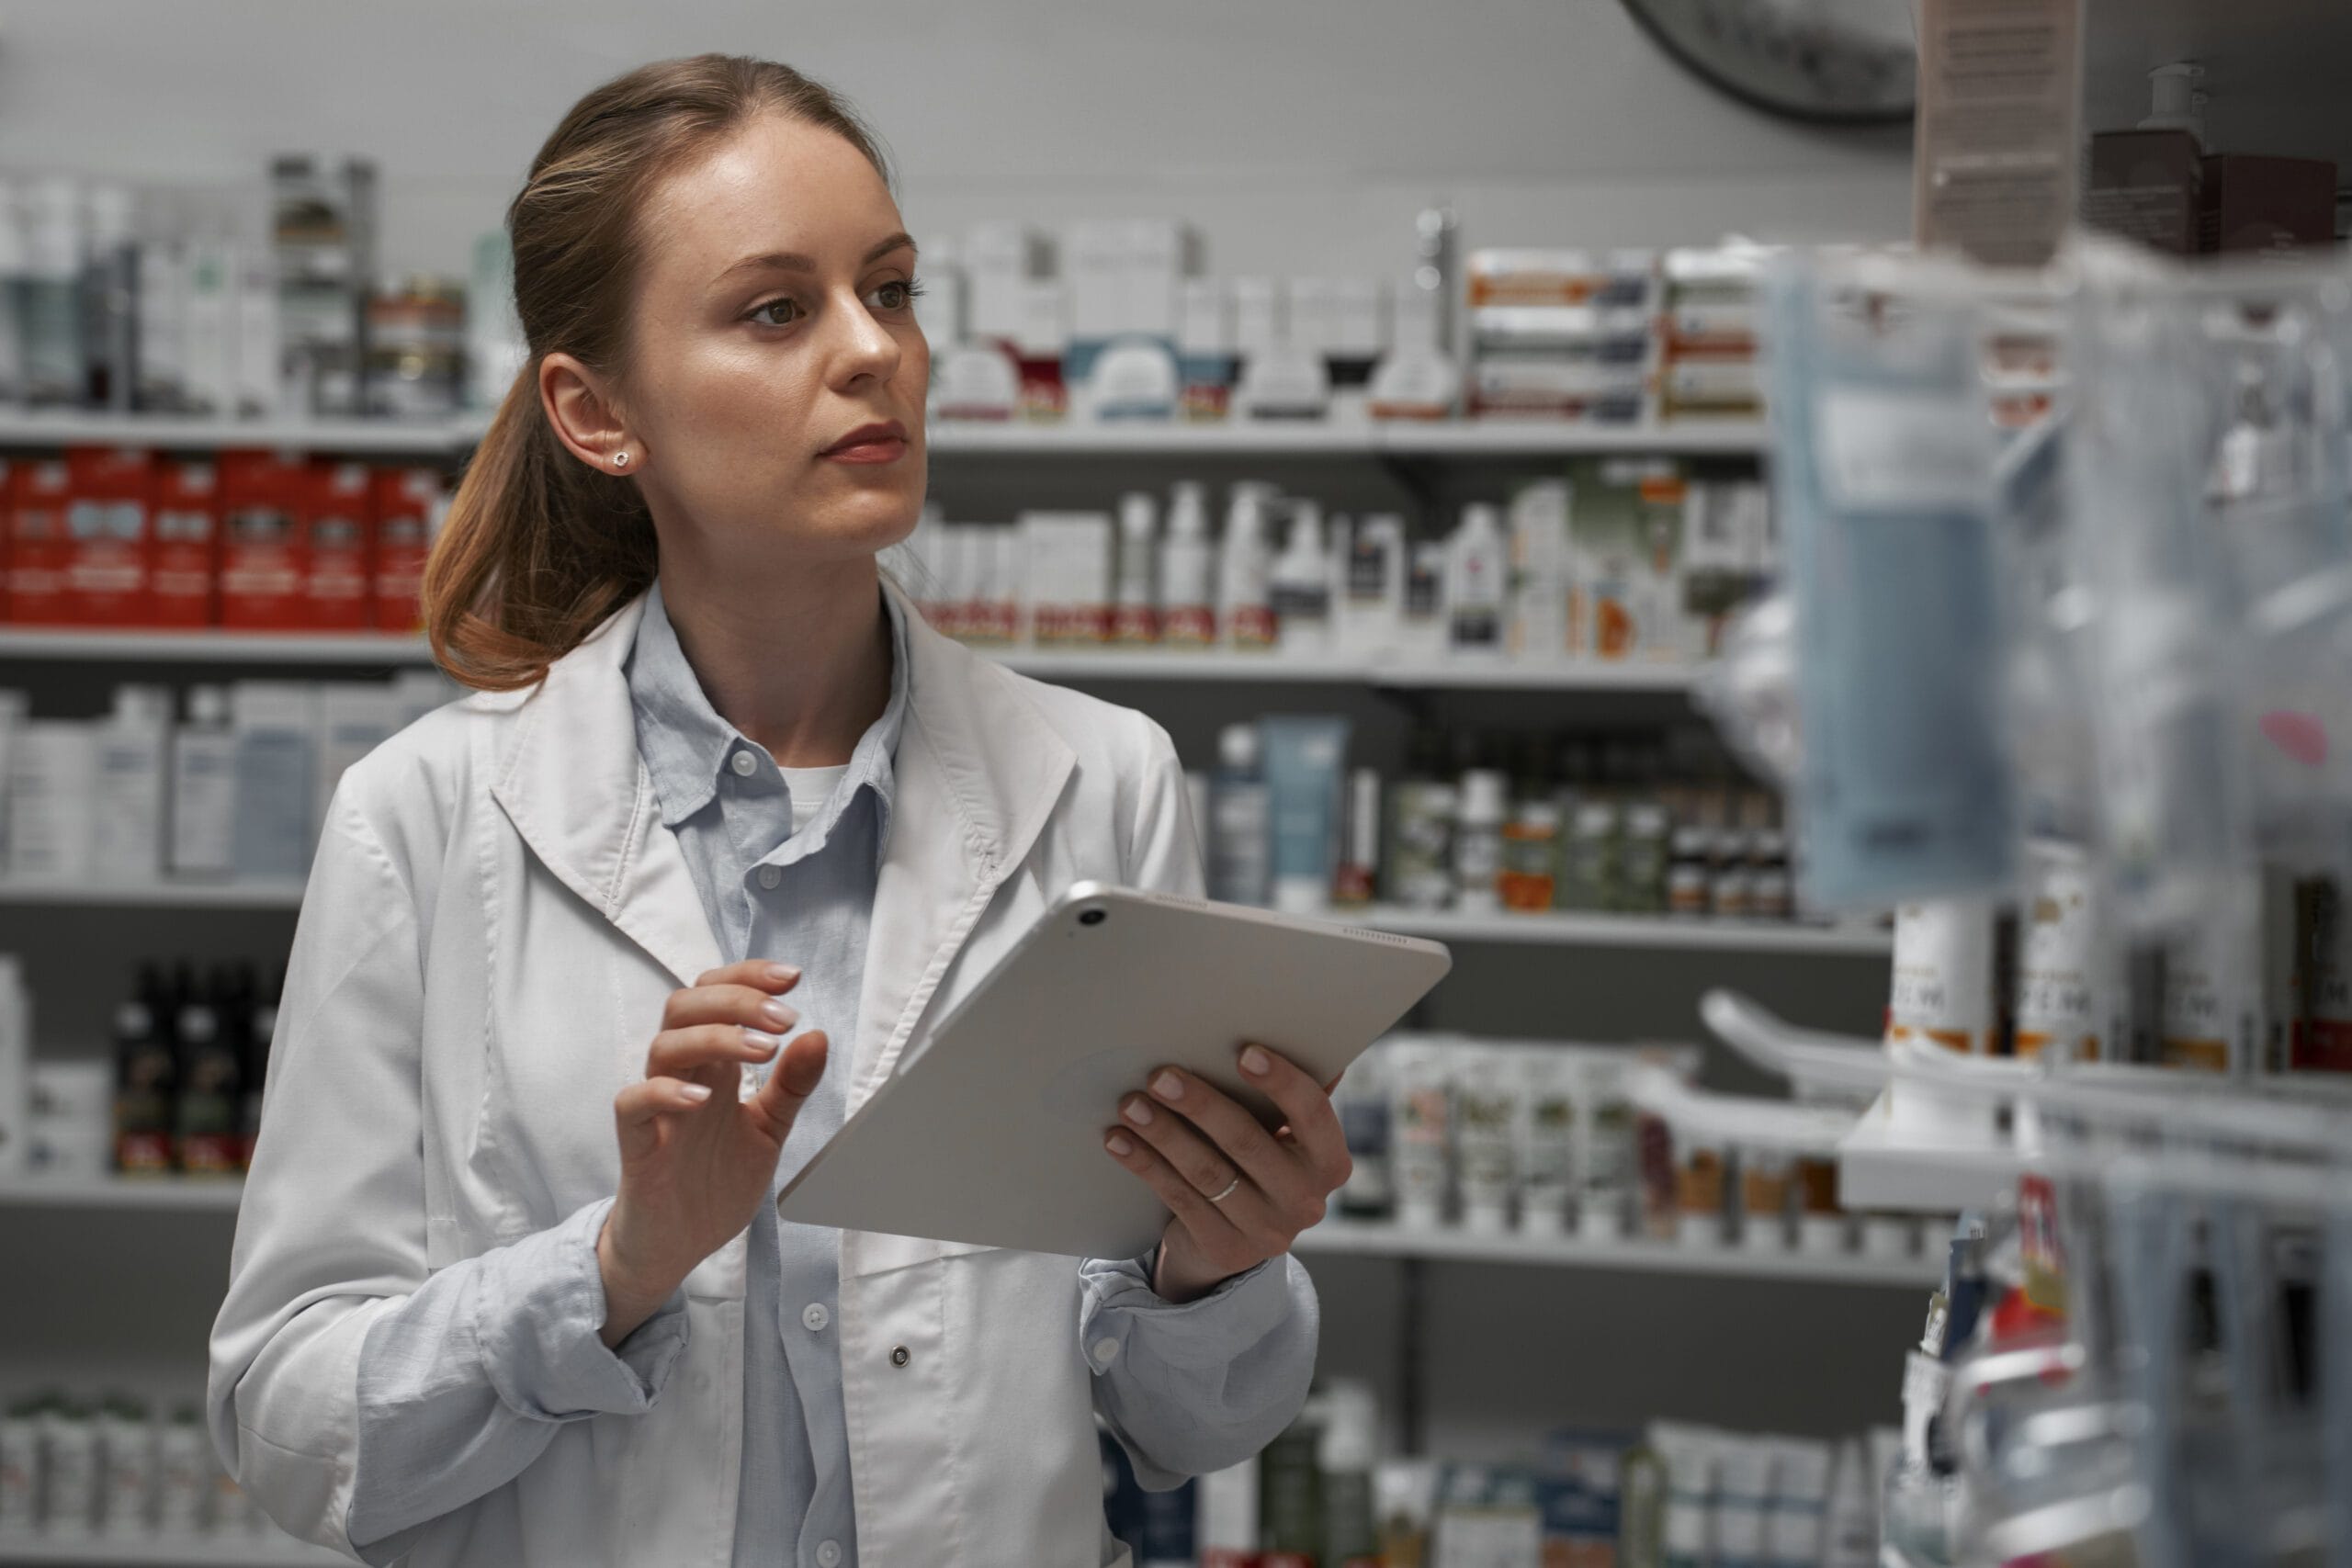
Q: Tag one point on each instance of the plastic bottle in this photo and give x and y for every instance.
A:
(109, 302)
(13, 264)
(1477, 562)
(15, 1069)
(1421, 846)
(1240, 854)
(206, 1128)
(1363, 1100)
(128, 847)
(1135, 613)
(146, 1074)
(46, 297)
(1478, 841)
(204, 788)
(1248, 606)
(1300, 587)
(1350, 1449)
(1188, 571)
(126, 1503)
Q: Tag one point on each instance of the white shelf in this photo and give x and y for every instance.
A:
(451, 439)
(226, 647)
(1385, 1239)
(152, 895)
(1572, 930)
(1336, 1234)
(135, 1193)
(428, 438)
(1879, 1170)
(232, 1550)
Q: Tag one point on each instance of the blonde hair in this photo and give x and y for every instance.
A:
(538, 549)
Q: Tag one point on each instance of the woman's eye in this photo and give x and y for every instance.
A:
(895, 296)
(776, 313)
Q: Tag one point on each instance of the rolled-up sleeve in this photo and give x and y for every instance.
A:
(1195, 1386)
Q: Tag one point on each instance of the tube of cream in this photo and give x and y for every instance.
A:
(1304, 756)
(1487, 1109)
(1421, 1130)
(1547, 1127)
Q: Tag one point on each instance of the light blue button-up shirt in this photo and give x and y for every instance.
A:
(514, 1333)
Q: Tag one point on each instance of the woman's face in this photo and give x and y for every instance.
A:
(777, 375)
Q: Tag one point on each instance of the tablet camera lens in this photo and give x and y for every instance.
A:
(1093, 918)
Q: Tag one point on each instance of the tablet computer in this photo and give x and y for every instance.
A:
(990, 1129)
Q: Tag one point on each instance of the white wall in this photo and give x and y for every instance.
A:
(1301, 135)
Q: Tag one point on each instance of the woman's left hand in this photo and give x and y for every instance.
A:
(1239, 1194)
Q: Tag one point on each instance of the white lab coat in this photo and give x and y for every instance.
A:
(493, 920)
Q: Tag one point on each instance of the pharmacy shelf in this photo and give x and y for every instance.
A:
(451, 439)
(1109, 665)
(218, 1552)
(152, 895)
(175, 1194)
(1570, 930)
(426, 438)
(1385, 1239)
(223, 647)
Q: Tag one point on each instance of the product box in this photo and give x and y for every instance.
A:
(407, 502)
(109, 570)
(52, 769)
(40, 549)
(1000, 258)
(187, 525)
(1625, 559)
(1538, 591)
(263, 572)
(338, 535)
(2253, 203)
(2147, 185)
(1529, 277)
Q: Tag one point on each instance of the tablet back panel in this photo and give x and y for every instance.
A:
(990, 1132)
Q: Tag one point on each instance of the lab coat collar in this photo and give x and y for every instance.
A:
(979, 772)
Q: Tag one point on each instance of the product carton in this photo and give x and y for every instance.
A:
(2253, 203)
(408, 504)
(40, 549)
(1626, 559)
(2147, 185)
(187, 542)
(108, 571)
(338, 526)
(263, 572)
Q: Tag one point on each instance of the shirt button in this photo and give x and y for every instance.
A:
(899, 1357)
(828, 1554)
(770, 875)
(1106, 1350)
(816, 1317)
(743, 763)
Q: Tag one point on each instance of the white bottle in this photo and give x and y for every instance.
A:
(1300, 587)
(46, 297)
(52, 771)
(1241, 850)
(1369, 611)
(16, 1070)
(13, 265)
(1422, 622)
(1246, 607)
(204, 788)
(275, 724)
(1188, 571)
(132, 741)
(1135, 614)
(1477, 564)
(1478, 842)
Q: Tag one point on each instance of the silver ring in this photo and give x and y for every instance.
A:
(1230, 1188)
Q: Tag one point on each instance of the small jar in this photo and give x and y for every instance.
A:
(1588, 865)
(1766, 1180)
(1731, 886)
(1643, 872)
(1772, 896)
(1699, 1184)
(1531, 858)
(1686, 876)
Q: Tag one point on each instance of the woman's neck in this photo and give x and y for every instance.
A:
(798, 661)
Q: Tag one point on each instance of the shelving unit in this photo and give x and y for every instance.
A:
(1335, 1235)
(451, 439)
(221, 1551)
(152, 895)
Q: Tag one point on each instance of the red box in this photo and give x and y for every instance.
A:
(38, 547)
(187, 542)
(338, 522)
(262, 569)
(108, 575)
(406, 499)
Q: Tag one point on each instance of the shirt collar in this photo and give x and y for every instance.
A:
(685, 743)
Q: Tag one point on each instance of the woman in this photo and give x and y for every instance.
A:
(509, 1287)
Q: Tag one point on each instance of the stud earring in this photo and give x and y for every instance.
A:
(620, 459)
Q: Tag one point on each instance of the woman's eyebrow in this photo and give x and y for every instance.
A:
(794, 260)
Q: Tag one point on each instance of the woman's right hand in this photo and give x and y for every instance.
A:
(697, 1157)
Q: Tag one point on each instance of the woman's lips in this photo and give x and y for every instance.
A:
(870, 444)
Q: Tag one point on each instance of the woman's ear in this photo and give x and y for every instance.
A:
(585, 416)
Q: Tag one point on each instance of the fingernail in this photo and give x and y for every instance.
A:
(782, 973)
(766, 1045)
(1254, 1062)
(1118, 1145)
(1137, 1111)
(775, 1013)
(1167, 1086)
(697, 1093)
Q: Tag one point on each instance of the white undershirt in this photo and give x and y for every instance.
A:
(810, 789)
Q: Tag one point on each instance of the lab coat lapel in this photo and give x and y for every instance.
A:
(576, 790)
(979, 772)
